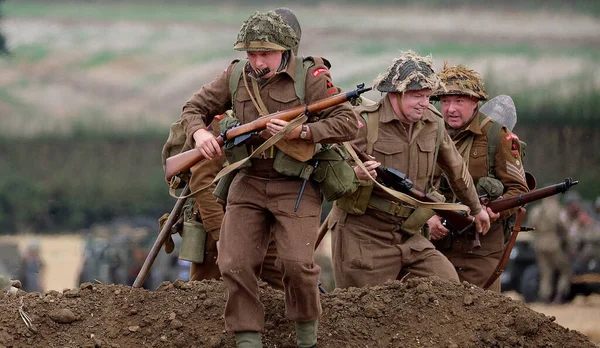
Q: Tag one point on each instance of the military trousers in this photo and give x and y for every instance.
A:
(476, 265)
(270, 272)
(371, 249)
(258, 207)
(549, 262)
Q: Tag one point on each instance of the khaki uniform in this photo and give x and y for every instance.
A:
(211, 214)
(551, 245)
(261, 201)
(475, 265)
(370, 249)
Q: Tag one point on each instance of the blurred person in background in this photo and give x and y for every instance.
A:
(32, 268)
(552, 246)
(492, 154)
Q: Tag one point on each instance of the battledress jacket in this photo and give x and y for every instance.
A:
(508, 162)
(415, 157)
(337, 123)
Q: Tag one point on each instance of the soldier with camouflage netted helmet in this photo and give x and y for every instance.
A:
(210, 212)
(261, 200)
(401, 131)
(495, 174)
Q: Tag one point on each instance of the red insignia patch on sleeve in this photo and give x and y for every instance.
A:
(319, 71)
(332, 90)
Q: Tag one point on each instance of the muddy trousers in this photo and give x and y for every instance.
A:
(550, 262)
(476, 265)
(257, 207)
(370, 249)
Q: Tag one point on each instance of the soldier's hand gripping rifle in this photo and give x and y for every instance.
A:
(185, 160)
(398, 181)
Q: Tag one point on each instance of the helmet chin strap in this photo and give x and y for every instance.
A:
(285, 57)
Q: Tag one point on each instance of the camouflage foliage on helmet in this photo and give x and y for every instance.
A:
(460, 80)
(290, 18)
(265, 32)
(409, 72)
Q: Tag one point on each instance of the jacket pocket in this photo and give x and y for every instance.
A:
(284, 98)
(425, 157)
(244, 106)
(390, 150)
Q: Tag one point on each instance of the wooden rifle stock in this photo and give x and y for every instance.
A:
(522, 199)
(399, 182)
(185, 160)
(162, 237)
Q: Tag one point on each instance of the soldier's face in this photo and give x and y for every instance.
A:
(414, 104)
(261, 60)
(457, 109)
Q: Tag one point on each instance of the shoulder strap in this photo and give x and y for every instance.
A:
(234, 79)
(300, 77)
(372, 129)
(493, 136)
(438, 140)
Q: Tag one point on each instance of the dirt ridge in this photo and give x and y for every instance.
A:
(418, 313)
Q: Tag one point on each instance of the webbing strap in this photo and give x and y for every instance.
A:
(493, 135)
(372, 129)
(234, 166)
(401, 196)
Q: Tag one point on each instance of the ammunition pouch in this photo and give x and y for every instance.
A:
(287, 165)
(357, 202)
(489, 186)
(335, 175)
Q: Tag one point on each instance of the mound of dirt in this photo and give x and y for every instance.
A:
(417, 313)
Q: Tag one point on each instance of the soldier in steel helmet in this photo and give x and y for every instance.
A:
(504, 176)
(400, 131)
(210, 212)
(261, 201)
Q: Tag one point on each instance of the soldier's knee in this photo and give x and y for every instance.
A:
(300, 271)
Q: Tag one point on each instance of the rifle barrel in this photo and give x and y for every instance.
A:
(522, 199)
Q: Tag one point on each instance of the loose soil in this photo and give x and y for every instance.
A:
(417, 313)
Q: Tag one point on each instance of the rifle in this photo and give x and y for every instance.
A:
(518, 201)
(398, 181)
(185, 160)
(162, 237)
(531, 196)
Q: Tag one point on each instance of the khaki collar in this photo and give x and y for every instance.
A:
(290, 69)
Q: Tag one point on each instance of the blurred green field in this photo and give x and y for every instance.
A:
(91, 87)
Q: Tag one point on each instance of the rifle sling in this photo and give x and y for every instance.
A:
(401, 196)
(234, 166)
